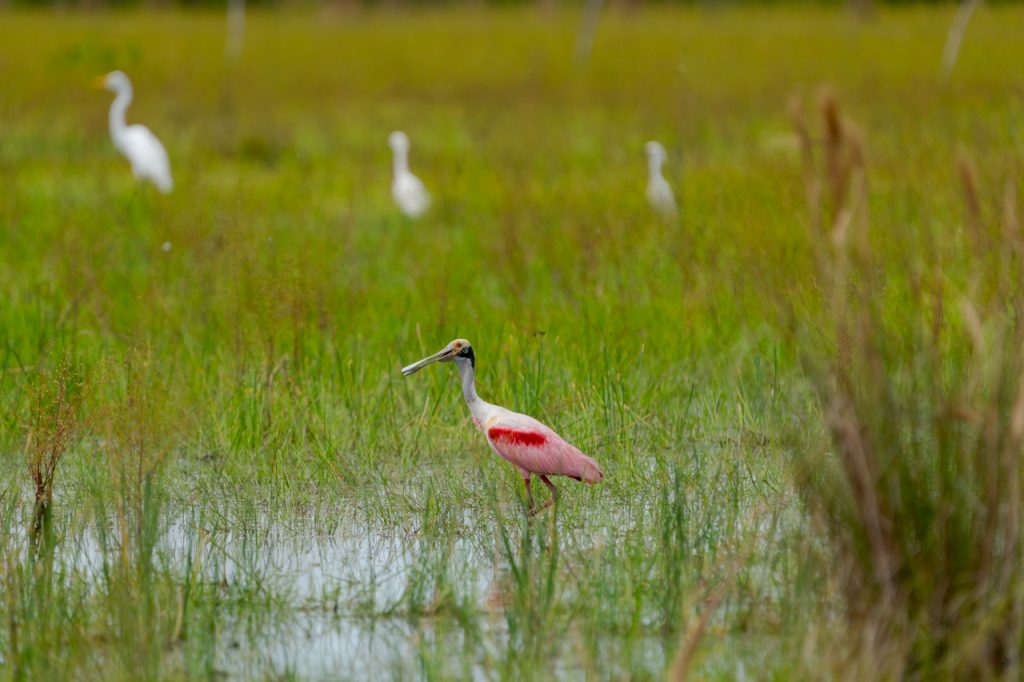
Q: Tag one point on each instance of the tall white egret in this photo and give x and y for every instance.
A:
(659, 192)
(136, 143)
(406, 189)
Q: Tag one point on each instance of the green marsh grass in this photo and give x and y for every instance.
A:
(257, 492)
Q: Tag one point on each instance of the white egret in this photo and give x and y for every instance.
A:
(136, 143)
(659, 192)
(406, 189)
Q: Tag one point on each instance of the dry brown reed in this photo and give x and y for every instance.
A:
(918, 484)
(55, 422)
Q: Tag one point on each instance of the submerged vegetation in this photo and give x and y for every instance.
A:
(804, 391)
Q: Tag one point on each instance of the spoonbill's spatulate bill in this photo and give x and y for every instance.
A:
(406, 189)
(136, 143)
(659, 192)
(530, 446)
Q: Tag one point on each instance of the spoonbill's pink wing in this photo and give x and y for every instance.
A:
(534, 448)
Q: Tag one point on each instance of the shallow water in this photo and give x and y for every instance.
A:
(355, 599)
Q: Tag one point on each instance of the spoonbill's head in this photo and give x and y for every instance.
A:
(115, 81)
(654, 150)
(458, 350)
(399, 142)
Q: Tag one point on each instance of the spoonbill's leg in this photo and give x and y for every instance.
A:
(554, 493)
(530, 510)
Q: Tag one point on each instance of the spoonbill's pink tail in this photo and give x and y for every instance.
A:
(589, 471)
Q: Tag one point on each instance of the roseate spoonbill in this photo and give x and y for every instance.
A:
(530, 446)
(659, 192)
(406, 189)
(135, 142)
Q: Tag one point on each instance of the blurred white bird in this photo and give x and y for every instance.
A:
(236, 30)
(659, 192)
(140, 146)
(406, 189)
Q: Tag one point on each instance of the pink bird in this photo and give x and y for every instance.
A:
(531, 447)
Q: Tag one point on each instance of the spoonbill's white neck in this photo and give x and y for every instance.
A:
(466, 373)
(117, 110)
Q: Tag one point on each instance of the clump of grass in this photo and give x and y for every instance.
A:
(54, 424)
(35, 585)
(138, 428)
(918, 371)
